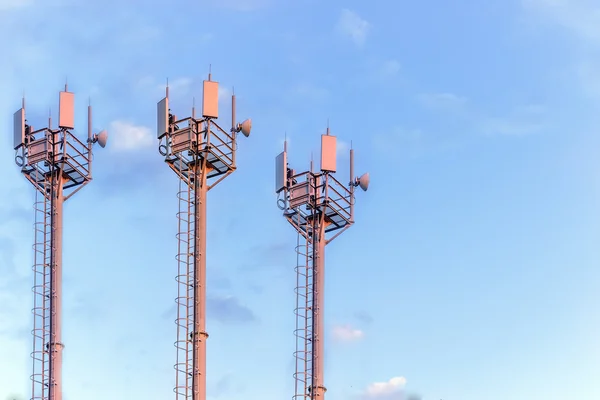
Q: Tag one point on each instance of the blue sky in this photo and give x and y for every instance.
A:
(472, 270)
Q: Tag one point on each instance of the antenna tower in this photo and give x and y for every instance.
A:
(320, 208)
(202, 154)
(58, 165)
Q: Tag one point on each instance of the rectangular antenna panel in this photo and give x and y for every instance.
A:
(19, 128)
(66, 110)
(162, 122)
(210, 99)
(280, 171)
(181, 140)
(39, 151)
(300, 194)
(328, 153)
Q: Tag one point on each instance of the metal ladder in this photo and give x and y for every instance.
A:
(41, 289)
(304, 318)
(185, 292)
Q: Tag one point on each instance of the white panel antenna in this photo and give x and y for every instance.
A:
(280, 172)
(19, 128)
(66, 110)
(162, 122)
(328, 153)
(210, 99)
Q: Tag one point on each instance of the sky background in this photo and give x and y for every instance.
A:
(472, 271)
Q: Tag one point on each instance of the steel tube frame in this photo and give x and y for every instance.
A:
(318, 320)
(199, 334)
(55, 345)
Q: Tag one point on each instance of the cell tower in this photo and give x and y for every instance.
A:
(320, 208)
(202, 154)
(58, 165)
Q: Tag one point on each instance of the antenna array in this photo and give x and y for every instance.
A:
(58, 165)
(320, 208)
(201, 154)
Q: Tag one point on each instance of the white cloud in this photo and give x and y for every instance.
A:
(205, 38)
(285, 139)
(581, 17)
(12, 4)
(532, 109)
(310, 91)
(179, 85)
(342, 149)
(519, 121)
(125, 136)
(224, 93)
(345, 333)
(398, 143)
(589, 77)
(522, 120)
(383, 390)
(579, 20)
(506, 126)
(242, 5)
(441, 100)
(390, 68)
(352, 25)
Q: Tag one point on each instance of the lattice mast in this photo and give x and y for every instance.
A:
(320, 208)
(58, 164)
(202, 154)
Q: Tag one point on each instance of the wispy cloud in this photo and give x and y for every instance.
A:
(242, 5)
(14, 4)
(228, 309)
(442, 100)
(14, 320)
(126, 136)
(7, 254)
(224, 309)
(180, 85)
(363, 317)
(500, 126)
(15, 212)
(270, 255)
(223, 386)
(351, 25)
(399, 142)
(310, 91)
(390, 68)
(224, 93)
(588, 74)
(342, 149)
(579, 21)
(580, 17)
(346, 333)
(409, 143)
(388, 390)
(520, 120)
